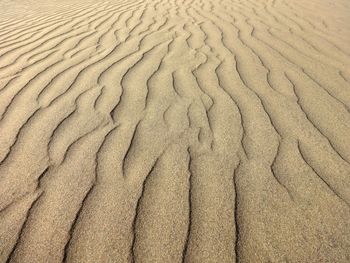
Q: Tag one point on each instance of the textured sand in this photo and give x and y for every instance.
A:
(172, 131)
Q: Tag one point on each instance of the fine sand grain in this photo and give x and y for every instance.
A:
(169, 131)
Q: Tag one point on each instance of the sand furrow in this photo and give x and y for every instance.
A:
(174, 131)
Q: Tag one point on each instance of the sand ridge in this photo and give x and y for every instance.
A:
(174, 131)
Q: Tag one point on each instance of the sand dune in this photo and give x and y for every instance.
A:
(174, 131)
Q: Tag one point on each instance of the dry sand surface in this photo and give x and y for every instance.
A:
(165, 131)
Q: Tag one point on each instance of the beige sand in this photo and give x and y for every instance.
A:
(174, 131)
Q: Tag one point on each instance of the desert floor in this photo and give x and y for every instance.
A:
(174, 131)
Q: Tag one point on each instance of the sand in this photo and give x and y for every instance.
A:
(174, 131)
